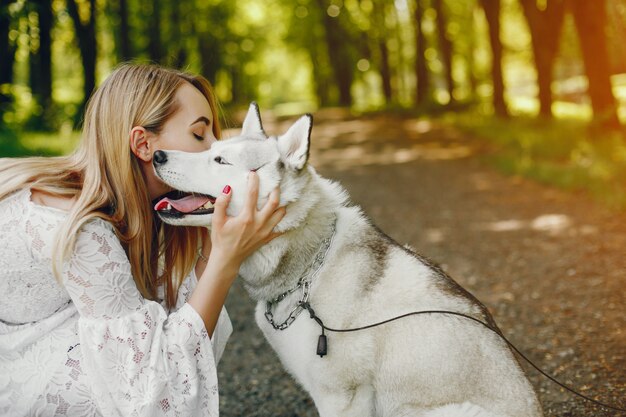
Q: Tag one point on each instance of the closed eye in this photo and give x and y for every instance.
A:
(221, 161)
(198, 137)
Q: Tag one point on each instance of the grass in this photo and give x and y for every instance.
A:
(24, 143)
(564, 153)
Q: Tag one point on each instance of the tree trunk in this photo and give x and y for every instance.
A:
(471, 62)
(421, 70)
(7, 57)
(545, 29)
(86, 35)
(339, 55)
(177, 55)
(46, 17)
(617, 48)
(320, 72)
(445, 47)
(492, 14)
(590, 19)
(383, 50)
(385, 71)
(125, 48)
(34, 64)
(116, 13)
(236, 93)
(155, 50)
(209, 56)
(400, 68)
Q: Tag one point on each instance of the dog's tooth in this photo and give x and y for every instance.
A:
(169, 206)
(208, 205)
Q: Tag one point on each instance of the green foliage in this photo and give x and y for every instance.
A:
(569, 154)
(23, 143)
(278, 53)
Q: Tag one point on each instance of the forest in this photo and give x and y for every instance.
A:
(538, 58)
(542, 80)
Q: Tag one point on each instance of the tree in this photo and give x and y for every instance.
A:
(125, 48)
(339, 52)
(118, 23)
(155, 49)
(381, 41)
(212, 38)
(178, 55)
(7, 57)
(307, 31)
(616, 11)
(471, 48)
(591, 20)
(492, 14)
(545, 28)
(86, 36)
(445, 47)
(41, 61)
(421, 70)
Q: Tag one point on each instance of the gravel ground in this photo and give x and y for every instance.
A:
(548, 264)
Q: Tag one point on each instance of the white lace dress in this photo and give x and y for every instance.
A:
(94, 346)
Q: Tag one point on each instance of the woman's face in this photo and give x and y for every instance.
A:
(190, 129)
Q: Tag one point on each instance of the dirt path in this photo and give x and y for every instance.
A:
(549, 265)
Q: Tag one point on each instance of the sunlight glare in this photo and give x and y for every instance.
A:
(333, 10)
(551, 222)
(363, 65)
(506, 225)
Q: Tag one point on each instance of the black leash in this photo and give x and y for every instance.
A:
(322, 343)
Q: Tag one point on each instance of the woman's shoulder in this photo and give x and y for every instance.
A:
(45, 199)
(64, 204)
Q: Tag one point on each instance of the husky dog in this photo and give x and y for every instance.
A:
(352, 275)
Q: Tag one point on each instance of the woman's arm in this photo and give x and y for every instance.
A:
(142, 361)
(233, 239)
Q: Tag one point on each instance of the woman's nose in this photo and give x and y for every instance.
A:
(159, 158)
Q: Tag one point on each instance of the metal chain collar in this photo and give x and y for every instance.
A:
(304, 283)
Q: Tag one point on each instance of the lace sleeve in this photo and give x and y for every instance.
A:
(141, 361)
(223, 328)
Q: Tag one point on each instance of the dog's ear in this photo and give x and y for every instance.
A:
(294, 144)
(252, 125)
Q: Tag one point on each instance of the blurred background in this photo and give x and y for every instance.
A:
(519, 57)
(544, 79)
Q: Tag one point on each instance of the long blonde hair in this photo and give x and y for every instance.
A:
(105, 179)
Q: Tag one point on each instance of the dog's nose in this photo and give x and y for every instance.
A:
(159, 158)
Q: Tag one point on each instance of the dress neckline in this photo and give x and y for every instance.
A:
(28, 198)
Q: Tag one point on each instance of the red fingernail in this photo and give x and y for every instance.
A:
(226, 189)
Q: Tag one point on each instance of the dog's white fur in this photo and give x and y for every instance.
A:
(431, 365)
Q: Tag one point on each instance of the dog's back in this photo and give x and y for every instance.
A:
(429, 360)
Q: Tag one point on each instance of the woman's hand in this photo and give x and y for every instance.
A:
(233, 239)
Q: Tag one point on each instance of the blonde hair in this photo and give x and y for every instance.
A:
(105, 179)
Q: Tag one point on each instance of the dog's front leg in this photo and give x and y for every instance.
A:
(357, 401)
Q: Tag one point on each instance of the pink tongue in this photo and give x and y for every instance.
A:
(184, 205)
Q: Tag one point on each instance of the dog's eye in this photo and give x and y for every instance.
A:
(221, 161)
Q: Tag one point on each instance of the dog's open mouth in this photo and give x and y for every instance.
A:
(178, 204)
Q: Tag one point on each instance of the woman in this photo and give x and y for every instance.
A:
(126, 328)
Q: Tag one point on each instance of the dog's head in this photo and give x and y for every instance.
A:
(200, 177)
